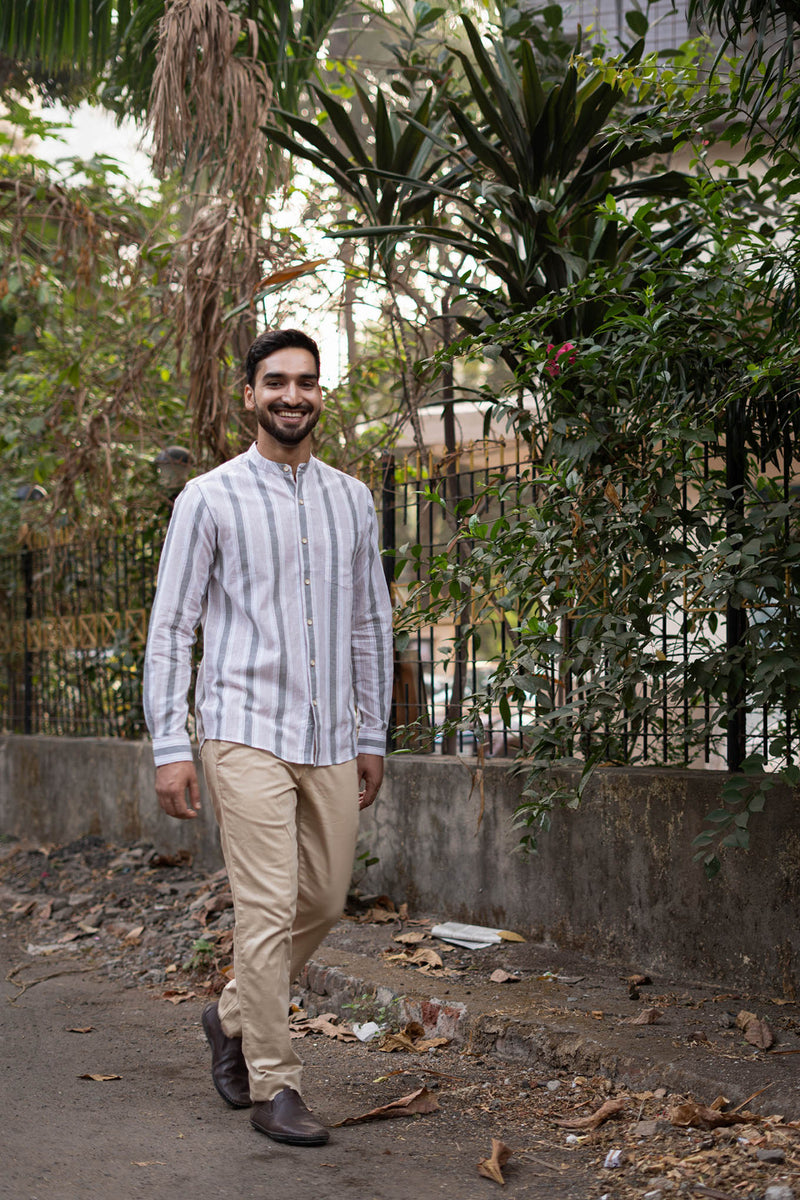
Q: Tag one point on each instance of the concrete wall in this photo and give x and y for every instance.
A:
(614, 878)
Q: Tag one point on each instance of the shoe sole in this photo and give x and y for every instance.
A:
(227, 1099)
(288, 1139)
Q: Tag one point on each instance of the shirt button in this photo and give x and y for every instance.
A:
(309, 621)
(301, 501)
(307, 582)
(304, 541)
(313, 662)
(314, 703)
(287, 468)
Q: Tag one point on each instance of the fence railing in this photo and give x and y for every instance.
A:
(73, 624)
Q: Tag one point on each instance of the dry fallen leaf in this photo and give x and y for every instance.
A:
(491, 1167)
(758, 1033)
(501, 976)
(423, 959)
(327, 1023)
(611, 1108)
(412, 1038)
(378, 915)
(648, 1016)
(177, 995)
(698, 1116)
(744, 1018)
(410, 938)
(508, 935)
(100, 1078)
(421, 1101)
(426, 958)
(81, 1029)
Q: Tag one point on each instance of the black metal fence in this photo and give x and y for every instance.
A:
(74, 625)
(74, 621)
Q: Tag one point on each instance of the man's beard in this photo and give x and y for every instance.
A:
(286, 435)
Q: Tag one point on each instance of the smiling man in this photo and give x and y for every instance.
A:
(276, 555)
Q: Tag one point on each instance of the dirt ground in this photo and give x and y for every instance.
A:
(108, 955)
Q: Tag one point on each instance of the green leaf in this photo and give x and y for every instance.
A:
(638, 22)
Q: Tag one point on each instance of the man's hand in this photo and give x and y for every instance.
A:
(370, 777)
(172, 781)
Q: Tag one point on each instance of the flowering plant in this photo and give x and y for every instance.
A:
(552, 366)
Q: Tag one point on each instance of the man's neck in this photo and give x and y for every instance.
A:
(276, 452)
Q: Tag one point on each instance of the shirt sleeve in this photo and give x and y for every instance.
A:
(372, 653)
(183, 575)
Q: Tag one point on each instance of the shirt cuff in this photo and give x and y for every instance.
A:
(172, 749)
(371, 742)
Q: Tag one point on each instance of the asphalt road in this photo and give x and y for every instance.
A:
(161, 1131)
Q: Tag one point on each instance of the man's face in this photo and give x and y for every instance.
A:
(286, 395)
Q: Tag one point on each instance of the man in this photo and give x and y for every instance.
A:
(276, 554)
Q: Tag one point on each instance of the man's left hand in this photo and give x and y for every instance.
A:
(370, 777)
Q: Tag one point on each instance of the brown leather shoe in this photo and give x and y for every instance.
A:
(228, 1068)
(286, 1118)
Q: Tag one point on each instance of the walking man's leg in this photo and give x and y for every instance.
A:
(288, 836)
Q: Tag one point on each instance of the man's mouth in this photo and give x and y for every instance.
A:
(290, 414)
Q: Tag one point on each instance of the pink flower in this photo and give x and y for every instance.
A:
(551, 366)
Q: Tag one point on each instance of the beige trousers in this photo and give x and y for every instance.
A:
(288, 835)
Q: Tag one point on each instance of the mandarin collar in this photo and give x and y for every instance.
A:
(270, 467)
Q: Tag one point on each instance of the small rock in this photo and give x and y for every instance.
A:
(656, 1194)
(553, 1085)
(645, 1129)
(572, 1139)
(154, 975)
(614, 1158)
(661, 1183)
(771, 1156)
(779, 1191)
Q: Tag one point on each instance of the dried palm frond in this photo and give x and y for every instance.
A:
(224, 255)
(207, 101)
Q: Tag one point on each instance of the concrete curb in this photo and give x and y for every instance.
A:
(550, 1047)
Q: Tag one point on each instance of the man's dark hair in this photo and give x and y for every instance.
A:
(277, 339)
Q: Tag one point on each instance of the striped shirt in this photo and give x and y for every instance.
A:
(285, 576)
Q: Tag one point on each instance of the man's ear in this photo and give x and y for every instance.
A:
(249, 398)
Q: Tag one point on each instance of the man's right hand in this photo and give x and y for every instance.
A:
(172, 782)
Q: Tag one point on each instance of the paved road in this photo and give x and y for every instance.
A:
(162, 1132)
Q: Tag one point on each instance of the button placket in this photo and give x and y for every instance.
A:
(307, 599)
